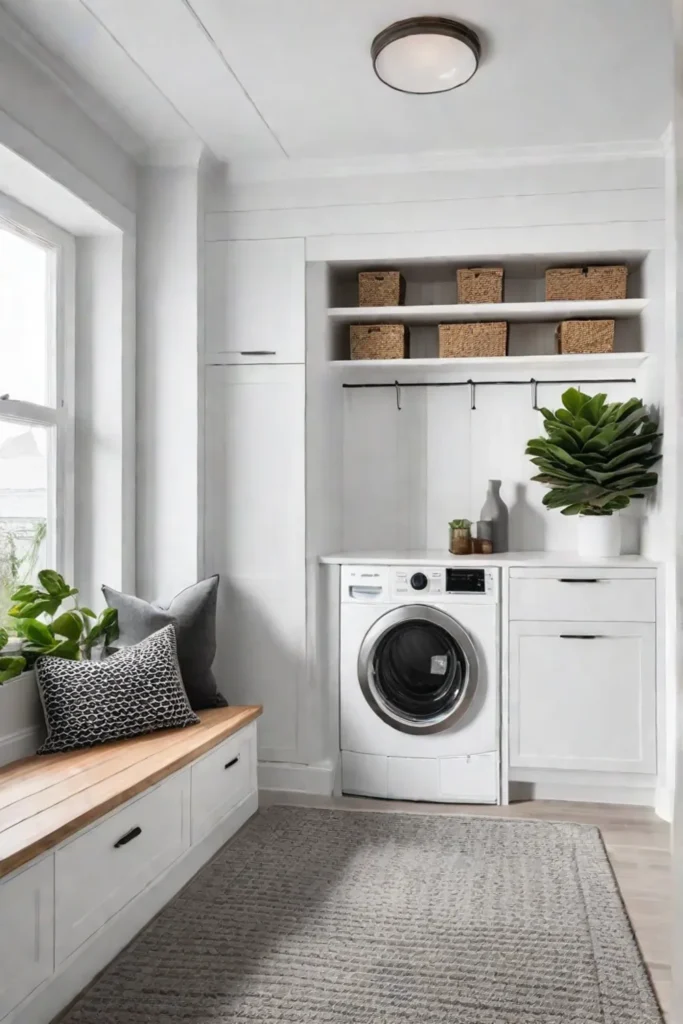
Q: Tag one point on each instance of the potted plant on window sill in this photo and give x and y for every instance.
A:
(596, 458)
(72, 634)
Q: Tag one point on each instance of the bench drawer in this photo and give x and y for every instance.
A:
(584, 596)
(26, 933)
(101, 870)
(221, 780)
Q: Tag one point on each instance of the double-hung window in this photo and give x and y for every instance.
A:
(36, 399)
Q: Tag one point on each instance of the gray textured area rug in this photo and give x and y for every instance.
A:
(357, 917)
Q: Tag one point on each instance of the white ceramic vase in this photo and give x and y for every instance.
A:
(599, 536)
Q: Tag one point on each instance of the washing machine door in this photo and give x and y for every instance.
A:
(418, 669)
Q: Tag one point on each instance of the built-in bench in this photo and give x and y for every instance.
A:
(95, 842)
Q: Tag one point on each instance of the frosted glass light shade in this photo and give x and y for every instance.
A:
(425, 55)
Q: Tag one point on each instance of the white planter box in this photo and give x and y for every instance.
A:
(21, 718)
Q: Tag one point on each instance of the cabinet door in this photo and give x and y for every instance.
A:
(255, 538)
(26, 932)
(256, 301)
(582, 696)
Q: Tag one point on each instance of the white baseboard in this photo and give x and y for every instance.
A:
(664, 803)
(22, 743)
(317, 779)
(55, 994)
(633, 796)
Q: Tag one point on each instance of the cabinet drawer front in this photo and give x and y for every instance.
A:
(582, 597)
(583, 696)
(27, 932)
(101, 870)
(221, 780)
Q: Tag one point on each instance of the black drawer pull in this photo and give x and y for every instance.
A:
(579, 636)
(577, 580)
(257, 352)
(133, 834)
(234, 761)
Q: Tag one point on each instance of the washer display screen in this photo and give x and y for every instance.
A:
(419, 670)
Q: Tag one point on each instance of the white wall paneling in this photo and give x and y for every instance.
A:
(255, 538)
(169, 324)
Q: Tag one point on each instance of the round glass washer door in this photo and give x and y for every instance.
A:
(418, 669)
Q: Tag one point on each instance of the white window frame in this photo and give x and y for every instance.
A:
(61, 248)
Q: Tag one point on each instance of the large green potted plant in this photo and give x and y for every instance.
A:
(596, 458)
(44, 627)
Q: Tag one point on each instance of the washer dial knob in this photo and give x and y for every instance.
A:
(418, 581)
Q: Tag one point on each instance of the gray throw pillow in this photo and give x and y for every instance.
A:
(136, 691)
(193, 613)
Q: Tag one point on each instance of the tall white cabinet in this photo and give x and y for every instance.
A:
(254, 478)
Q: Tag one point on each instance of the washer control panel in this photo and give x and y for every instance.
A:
(428, 582)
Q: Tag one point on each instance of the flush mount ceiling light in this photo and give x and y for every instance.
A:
(425, 55)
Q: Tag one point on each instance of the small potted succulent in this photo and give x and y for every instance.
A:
(460, 537)
(596, 458)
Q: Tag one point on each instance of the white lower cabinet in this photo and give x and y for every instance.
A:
(26, 932)
(101, 870)
(583, 696)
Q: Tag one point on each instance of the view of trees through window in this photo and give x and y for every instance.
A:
(26, 446)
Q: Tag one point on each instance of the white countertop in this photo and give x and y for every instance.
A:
(507, 558)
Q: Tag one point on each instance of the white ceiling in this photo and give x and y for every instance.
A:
(255, 79)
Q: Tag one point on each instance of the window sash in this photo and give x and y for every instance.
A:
(60, 415)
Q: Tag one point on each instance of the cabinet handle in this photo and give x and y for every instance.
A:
(579, 636)
(133, 834)
(257, 352)
(234, 761)
(579, 580)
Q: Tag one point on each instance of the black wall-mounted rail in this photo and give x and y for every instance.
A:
(473, 384)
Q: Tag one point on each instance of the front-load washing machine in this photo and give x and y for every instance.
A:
(419, 683)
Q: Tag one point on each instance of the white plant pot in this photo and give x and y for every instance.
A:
(599, 536)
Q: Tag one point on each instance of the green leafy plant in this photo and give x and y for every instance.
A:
(73, 633)
(460, 524)
(597, 456)
(20, 547)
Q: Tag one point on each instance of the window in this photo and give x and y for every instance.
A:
(36, 407)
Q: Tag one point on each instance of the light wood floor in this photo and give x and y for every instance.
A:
(637, 842)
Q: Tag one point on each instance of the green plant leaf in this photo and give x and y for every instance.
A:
(65, 649)
(54, 583)
(592, 409)
(37, 632)
(87, 611)
(11, 666)
(69, 624)
(110, 616)
(31, 609)
(25, 593)
(573, 510)
(573, 401)
(4, 638)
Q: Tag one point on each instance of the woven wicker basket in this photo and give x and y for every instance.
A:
(378, 341)
(585, 336)
(577, 283)
(471, 340)
(480, 284)
(381, 288)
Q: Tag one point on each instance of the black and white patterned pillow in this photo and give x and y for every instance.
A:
(138, 690)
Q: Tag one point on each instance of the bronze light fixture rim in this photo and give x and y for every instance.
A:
(425, 25)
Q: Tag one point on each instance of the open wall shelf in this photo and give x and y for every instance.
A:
(513, 312)
(612, 361)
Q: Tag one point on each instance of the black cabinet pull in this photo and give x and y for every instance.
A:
(234, 761)
(579, 636)
(578, 580)
(133, 834)
(257, 352)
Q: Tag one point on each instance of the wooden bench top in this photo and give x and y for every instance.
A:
(46, 799)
